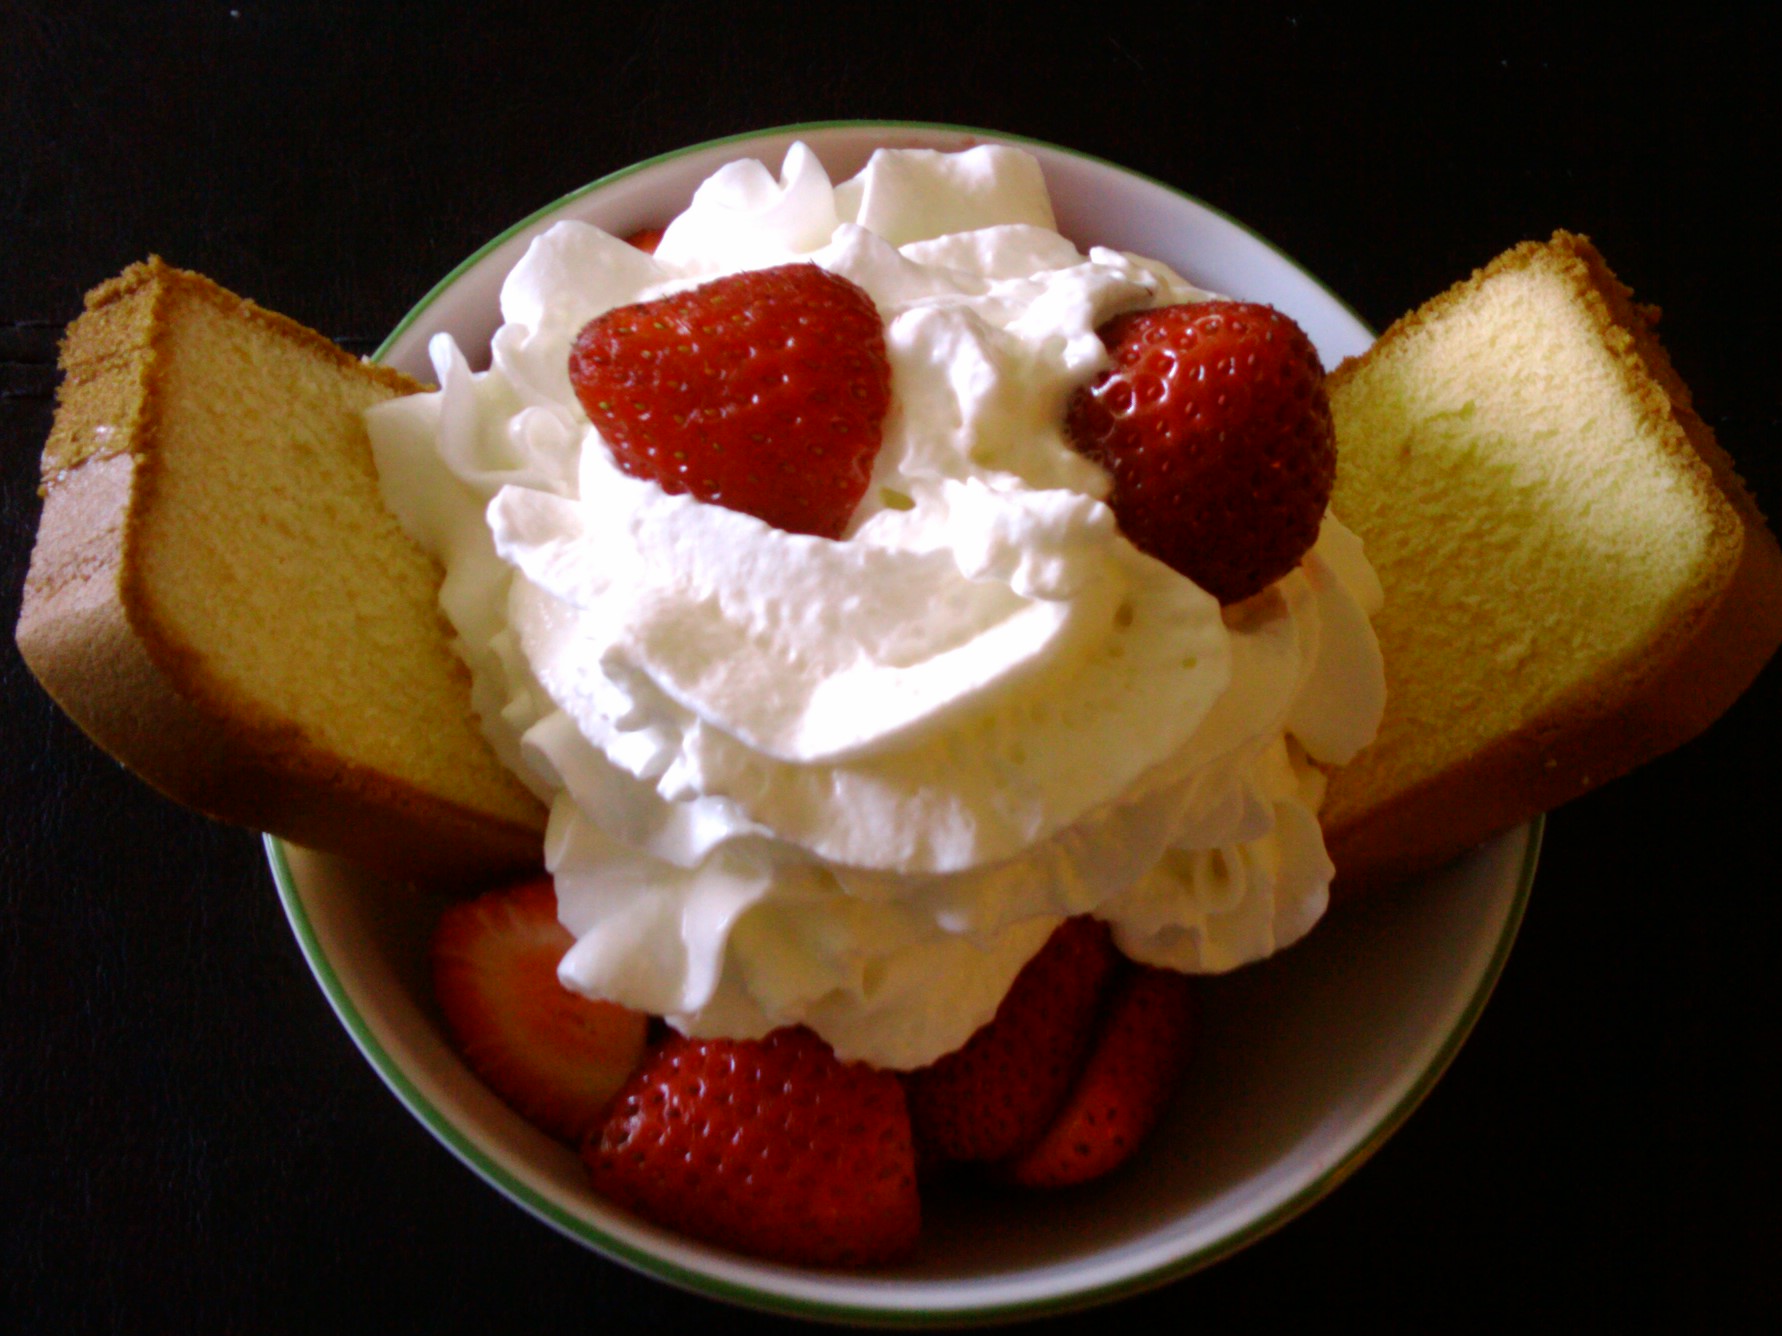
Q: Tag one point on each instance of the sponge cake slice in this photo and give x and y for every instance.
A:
(1576, 579)
(220, 599)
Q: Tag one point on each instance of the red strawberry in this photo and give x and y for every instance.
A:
(771, 1147)
(555, 1056)
(646, 239)
(996, 1095)
(1214, 423)
(764, 392)
(1141, 1047)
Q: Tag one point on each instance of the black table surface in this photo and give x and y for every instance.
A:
(188, 1139)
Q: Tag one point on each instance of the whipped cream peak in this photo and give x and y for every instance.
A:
(743, 217)
(855, 784)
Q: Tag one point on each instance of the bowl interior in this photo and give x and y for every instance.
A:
(1307, 1062)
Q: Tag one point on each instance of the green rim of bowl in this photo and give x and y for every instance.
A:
(702, 1282)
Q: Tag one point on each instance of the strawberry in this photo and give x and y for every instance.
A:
(646, 239)
(1214, 423)
(765, 392)
(555, 1056)
(771, 1147)
(1140, 1049)
(996, 1095)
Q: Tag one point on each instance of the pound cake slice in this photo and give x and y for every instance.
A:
(220, 599)
(1576, 579)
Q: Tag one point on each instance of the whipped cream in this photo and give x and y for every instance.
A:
(856, 784)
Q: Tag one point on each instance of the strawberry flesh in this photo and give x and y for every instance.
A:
(1214, 423)
(770, 1147)
(556, 1057)
(764, 392)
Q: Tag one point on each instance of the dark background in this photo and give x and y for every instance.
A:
(189, 1141)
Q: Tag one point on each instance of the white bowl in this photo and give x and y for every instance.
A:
(1306, 1064)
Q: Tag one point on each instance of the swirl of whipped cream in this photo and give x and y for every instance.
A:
(856, 784)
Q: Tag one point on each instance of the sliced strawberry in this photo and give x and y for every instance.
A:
(555, 1056)
(645, 239)
(764, 392)
(1140, 1050)
(1214, 423)
(771, 1147)
(996, 1095)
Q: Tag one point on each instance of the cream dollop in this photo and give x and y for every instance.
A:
(856, 784)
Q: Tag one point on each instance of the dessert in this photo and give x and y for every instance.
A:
(210, 513)
(1139, 1035)
(854, 785)
(769, 555)
(1527, 428)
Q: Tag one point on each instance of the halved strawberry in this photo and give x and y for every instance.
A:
(772, 1147)
(555, 1056)
(764, 392)
(1215, 425)
(994, 1097)
(1141, 1047)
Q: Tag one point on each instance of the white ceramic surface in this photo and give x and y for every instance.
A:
(1307, 1062)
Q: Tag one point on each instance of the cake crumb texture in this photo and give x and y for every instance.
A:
(1559, 538)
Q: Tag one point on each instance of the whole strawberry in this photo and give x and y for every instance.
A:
(771, 1147)
(995, 1096)
(1141, 1047)
(1214, 424)
(764, 392)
